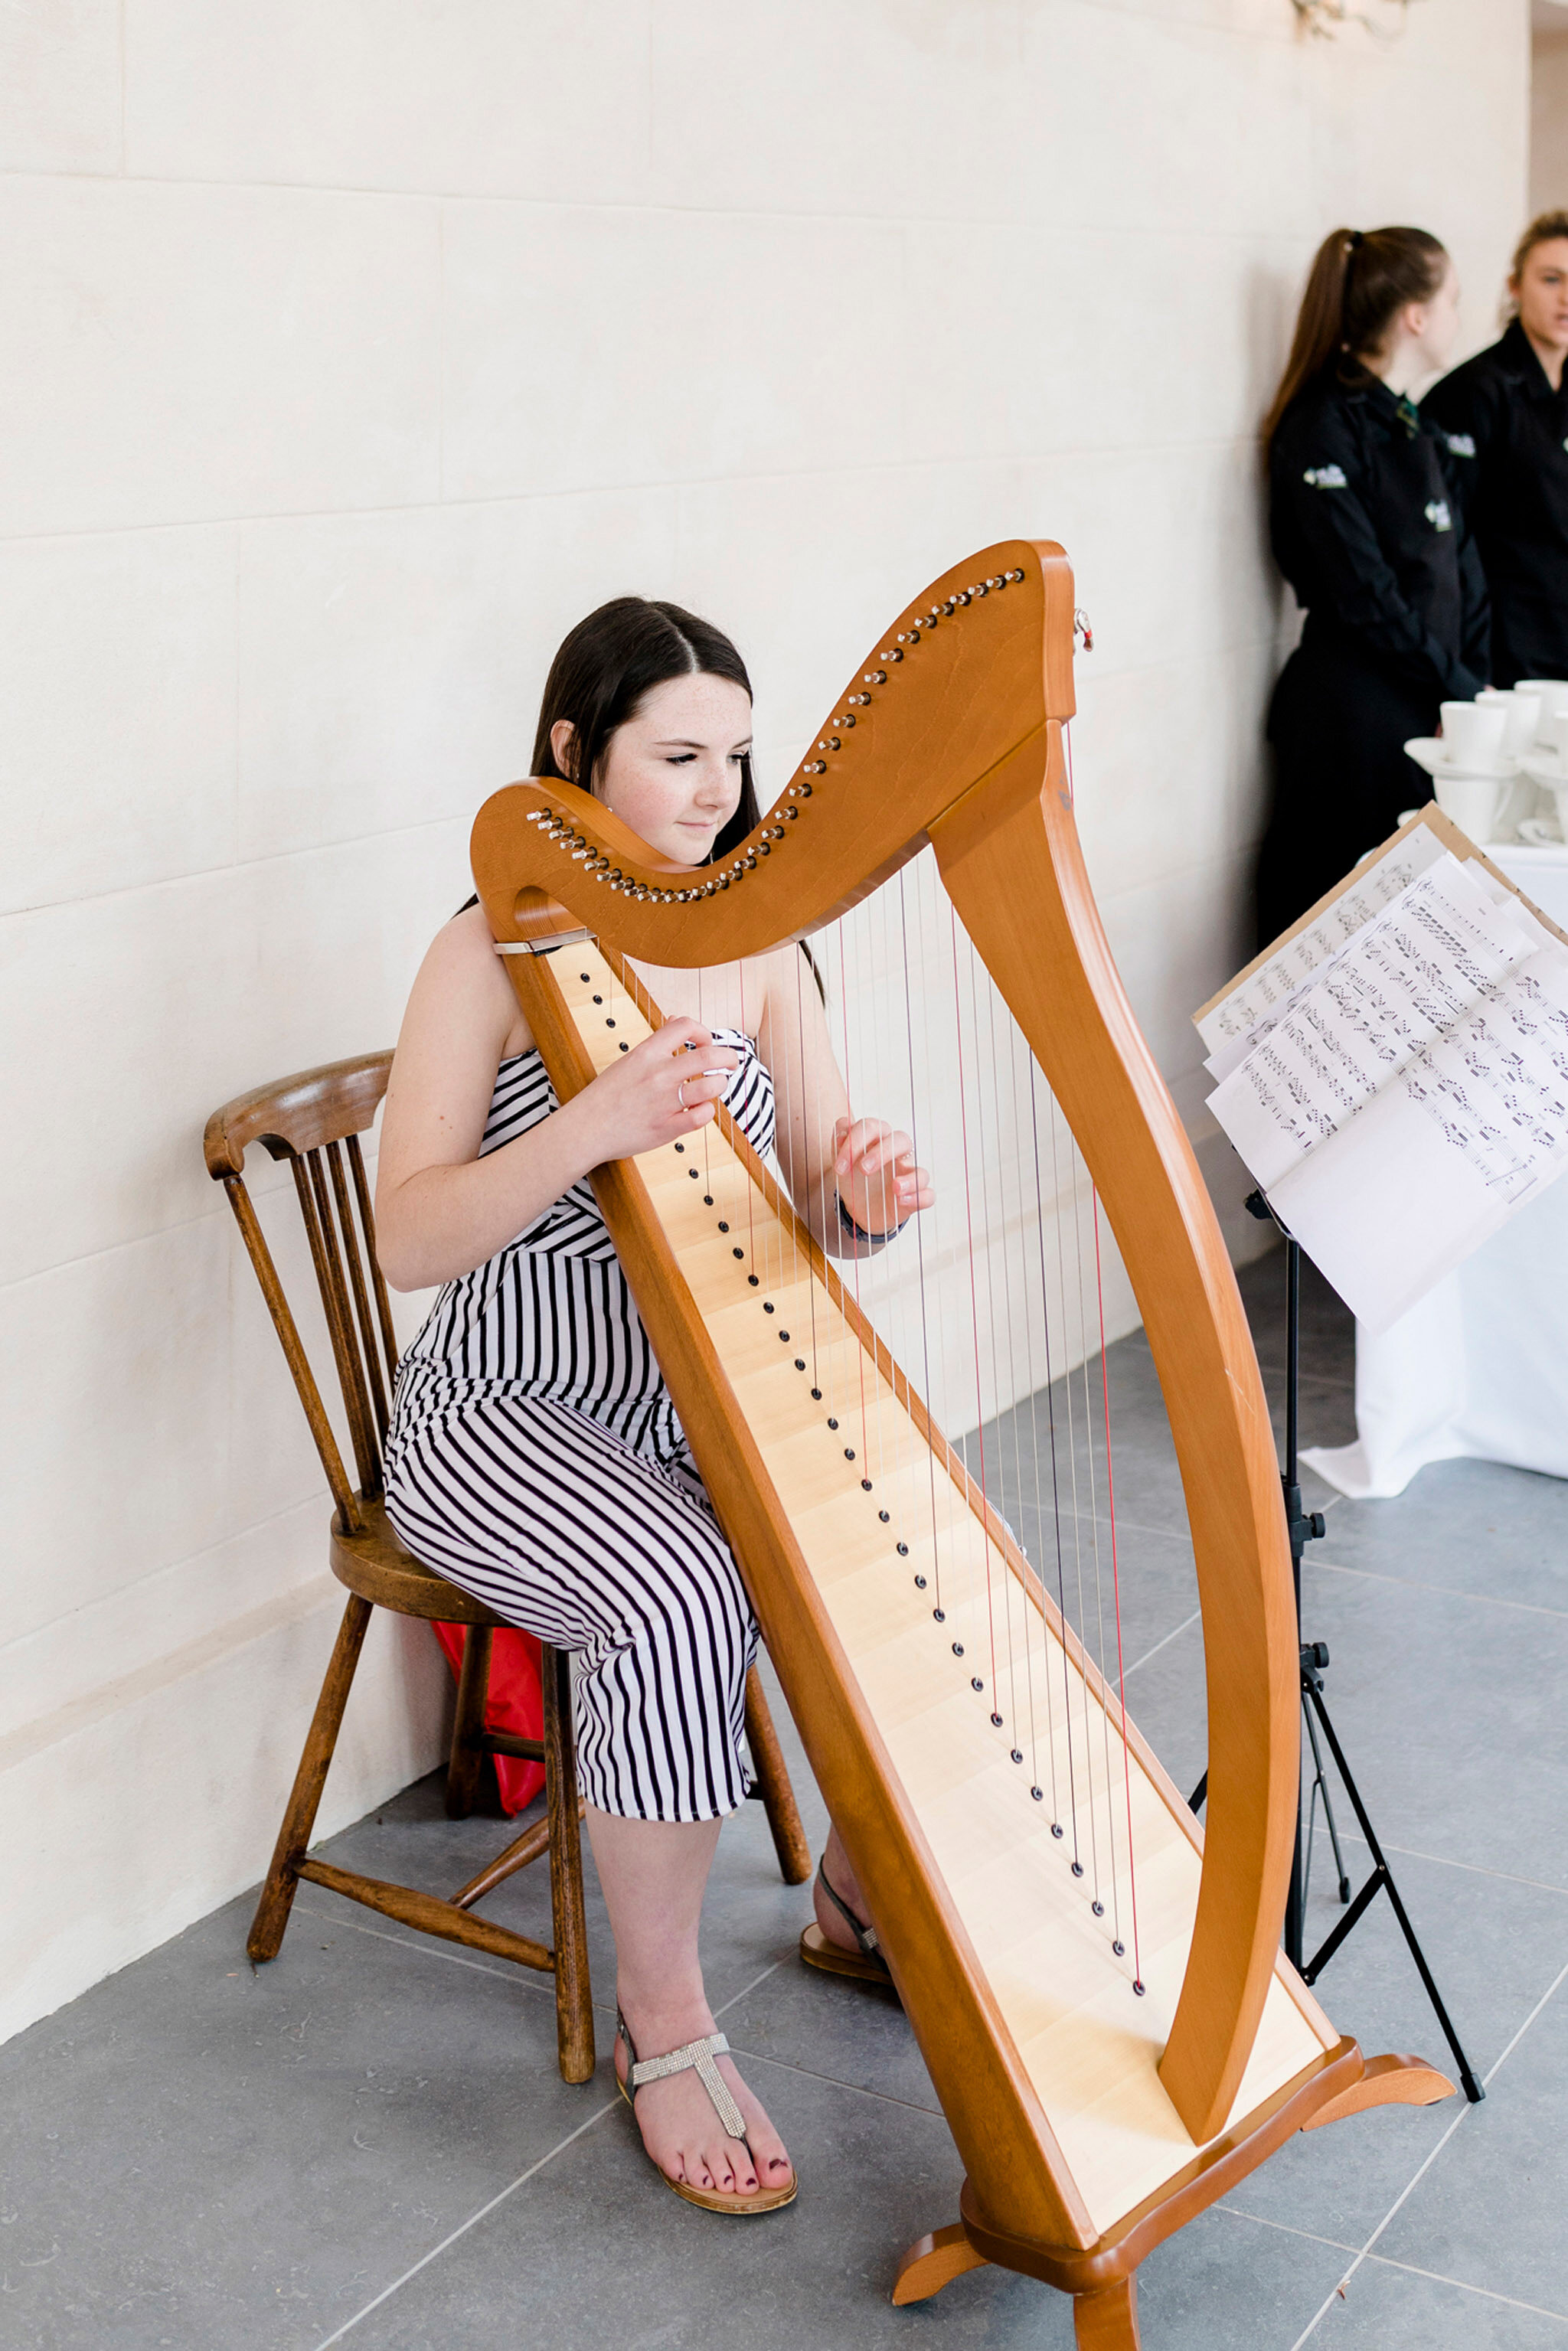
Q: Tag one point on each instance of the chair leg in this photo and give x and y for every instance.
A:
(573, 1993)
(466, 1761)
(773, 1778)
(294, 1837)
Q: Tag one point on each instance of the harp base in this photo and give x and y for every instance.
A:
(1101, 2277)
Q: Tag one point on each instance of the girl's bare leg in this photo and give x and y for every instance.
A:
(654, 1874)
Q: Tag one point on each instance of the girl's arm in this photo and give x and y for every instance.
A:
(828, 1156)
(441, 1210)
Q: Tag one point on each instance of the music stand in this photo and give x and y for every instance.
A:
(1304, 1528)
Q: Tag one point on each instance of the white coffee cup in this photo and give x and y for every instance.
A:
(1470, 802)
(1553, 693)
(1472, 737)
(1521, 717)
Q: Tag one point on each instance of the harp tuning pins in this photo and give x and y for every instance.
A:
(791, 812)
(815, 767)
(1015, 576)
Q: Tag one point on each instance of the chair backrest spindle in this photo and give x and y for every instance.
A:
(316, 1205)
(378, 1280)
(308, 1120)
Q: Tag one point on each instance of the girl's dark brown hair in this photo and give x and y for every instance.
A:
(604, 669)
(1358, 280)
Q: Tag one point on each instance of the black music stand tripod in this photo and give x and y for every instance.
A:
(1304, 1528)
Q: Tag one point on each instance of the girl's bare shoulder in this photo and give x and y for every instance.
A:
(463, 980)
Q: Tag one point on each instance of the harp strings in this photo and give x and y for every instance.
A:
(993, 1302)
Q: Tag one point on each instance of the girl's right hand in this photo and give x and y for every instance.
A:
(661, 1090)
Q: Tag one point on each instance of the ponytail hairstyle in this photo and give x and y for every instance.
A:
(1357, 283)
(604, 668)
(1544, 229)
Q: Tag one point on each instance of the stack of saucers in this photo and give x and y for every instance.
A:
(1477, 764)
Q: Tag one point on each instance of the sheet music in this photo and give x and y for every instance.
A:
(1401, 982)
(1259, 999)
(1413, 1091)
(1475, 1126)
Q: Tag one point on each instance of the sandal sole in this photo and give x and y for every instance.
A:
(833, 1960)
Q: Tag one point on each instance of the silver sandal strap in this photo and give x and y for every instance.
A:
(696, 2056)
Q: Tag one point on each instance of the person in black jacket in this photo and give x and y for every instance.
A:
(1505, 415)
(1365, 525)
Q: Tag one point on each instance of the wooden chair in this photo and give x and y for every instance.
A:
(315, 1119)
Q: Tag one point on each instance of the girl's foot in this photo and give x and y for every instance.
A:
(835, 1868)
(680, 2124)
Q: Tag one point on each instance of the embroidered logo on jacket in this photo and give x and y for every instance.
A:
(1460, 445)
(1325, 477)
(1438, 513)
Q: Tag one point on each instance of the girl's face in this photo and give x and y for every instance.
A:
(1541, 289)
(1432, 325)
(672, 770)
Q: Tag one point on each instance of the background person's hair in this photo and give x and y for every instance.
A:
(1359, 280)
(1544, 229)
(604, 669)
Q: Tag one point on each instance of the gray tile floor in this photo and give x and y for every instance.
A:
(367, 2142)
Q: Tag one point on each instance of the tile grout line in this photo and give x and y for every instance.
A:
(1510, 2301)
(1445, 1861)
(1442, 1591)
(511, 2189)
(1387, 2262)
(1411, 2185)
(1175, 1634)
(462, 2229)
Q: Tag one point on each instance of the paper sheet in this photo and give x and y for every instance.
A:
(1416, 1092)
(1399, 983)
(1263, 994)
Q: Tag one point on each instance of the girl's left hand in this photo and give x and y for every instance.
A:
(878, 1180)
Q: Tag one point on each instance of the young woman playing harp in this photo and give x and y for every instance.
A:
(534, 1456)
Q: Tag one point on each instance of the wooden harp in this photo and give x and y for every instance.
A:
(1111, 2054)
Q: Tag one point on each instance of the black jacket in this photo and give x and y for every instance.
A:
(1366, 526)
(1507, 434)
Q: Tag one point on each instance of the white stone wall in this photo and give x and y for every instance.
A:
(354, 350)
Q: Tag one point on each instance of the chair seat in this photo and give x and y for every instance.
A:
(376, 1565)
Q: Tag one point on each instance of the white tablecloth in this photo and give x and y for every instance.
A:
(1479, 1368)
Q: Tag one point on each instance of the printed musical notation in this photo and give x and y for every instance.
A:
(1400, 1105)
(1230, 1028)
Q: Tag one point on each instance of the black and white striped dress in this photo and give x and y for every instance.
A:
(535, 1458)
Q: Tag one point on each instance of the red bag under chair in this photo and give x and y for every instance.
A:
(514, 1703)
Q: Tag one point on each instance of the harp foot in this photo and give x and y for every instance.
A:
(1107, 2320)
(1387, 2082)
(934, 2261)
